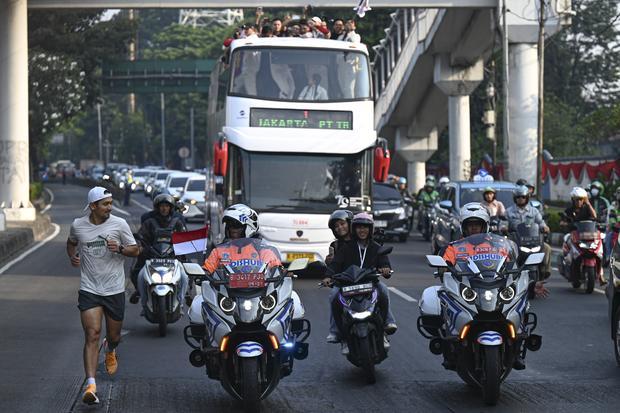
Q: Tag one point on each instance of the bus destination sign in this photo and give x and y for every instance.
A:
(301, 119)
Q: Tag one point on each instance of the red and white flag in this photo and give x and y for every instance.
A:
(190, 242)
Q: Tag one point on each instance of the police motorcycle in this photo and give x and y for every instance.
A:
(162, 275)
(361, 324)
(249, 326)
(529, 240)
(479, 318)
(582, 255)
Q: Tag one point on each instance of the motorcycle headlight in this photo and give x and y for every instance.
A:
(468, 294)
(193, 201)
(507, 294)
(525, 249)
(167, 277)
(268, 302)
(583, 245)
(121, 185)
(362, 315)
(149, 188)
(401, 212)
(133, 186)
(227, 304)
(535, 249)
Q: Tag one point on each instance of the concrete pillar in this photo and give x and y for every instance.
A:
(416, 172)
(14, 168)
(458, 83)
(523, 111)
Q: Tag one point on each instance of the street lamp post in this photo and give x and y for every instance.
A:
(99, 130)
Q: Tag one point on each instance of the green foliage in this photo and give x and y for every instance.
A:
(553, 219)
(36, 189)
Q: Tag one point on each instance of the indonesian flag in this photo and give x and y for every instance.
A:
(190, 242)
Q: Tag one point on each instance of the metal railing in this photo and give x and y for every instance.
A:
(405, 23)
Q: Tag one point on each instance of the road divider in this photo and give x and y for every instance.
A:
(402, 295)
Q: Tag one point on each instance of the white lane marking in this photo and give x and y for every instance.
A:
(598, 290)
(554, 269)
(140, 205)
(122, 211)
(51, 194)
(402, 295)
(32, 249)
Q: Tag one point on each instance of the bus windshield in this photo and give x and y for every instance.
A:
(291, 74)
(305, 183)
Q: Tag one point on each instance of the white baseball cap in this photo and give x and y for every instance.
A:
(97, 194)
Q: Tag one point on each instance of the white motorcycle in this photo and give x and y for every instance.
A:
(479, 318)
(160, 280)
(248, 325)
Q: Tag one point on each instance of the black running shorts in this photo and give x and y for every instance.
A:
(113, 305)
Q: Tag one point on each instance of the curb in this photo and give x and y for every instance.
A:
(20, 235)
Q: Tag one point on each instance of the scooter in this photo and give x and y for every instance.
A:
(248, 325)
(361, 324)
(163, 277)
(582, 255)
(479, 318)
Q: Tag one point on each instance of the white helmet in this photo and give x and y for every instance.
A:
(578, 193)
(443, 180)
(474, 210)
(244, 215)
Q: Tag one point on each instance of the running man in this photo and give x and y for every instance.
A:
(97, 243)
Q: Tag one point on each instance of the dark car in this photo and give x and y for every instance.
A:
(389, 211)
(446, 226)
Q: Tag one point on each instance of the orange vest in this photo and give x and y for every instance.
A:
(245, 256)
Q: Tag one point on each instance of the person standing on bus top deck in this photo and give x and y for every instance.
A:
(351, 36)
(338, 32)
(278, 28)
(314, 90)
(97, 244)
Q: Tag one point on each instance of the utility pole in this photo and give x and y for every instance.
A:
(132, 57)
(541, 90)
(163, 131)
(191, 137)
(99, 130)
(506, 126)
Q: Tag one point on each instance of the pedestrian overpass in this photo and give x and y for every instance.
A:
(430, 61)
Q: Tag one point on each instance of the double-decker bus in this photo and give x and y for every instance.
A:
(291, 125)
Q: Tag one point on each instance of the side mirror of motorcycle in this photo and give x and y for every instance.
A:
(298, 264)
(436, 261)
(193, 269)
(385, 250)
(534, 259)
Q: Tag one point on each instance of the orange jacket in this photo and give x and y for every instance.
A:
(247, 255)
(480, 244)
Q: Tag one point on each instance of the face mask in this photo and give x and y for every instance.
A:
(594, 192)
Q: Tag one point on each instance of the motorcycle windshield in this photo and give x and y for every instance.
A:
(528, 233)
(248, 256)
(481, 254)
(587, 230)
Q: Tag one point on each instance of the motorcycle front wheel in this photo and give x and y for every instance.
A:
(368, 364)
(250, 385)
(491, 374)
(162, 318)
(590, 276)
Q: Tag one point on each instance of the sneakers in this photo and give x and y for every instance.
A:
(111, 364)
(333, 338)
(390, 328)
(344, 349)
(90, 394)
(135, 297)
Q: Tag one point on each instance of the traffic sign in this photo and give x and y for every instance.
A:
(183, 152)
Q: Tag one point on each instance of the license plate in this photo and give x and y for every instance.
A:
(380, 224)
(290, 256)
(246, 280)
(357, 289)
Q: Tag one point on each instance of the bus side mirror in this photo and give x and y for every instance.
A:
(381, 163)
(220, 157)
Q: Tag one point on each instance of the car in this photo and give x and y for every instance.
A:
(139, 178)
(193, 197)
(175, 183)
(389, 211)
(157, 182)
(446, 227)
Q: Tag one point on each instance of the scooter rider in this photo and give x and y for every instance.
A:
(493, 206)
(340, 224)
(362, 251)
(442, 182)
(426, 197)
(162, 217)
(523, 212)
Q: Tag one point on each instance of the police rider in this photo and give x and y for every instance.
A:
(523, 212)
(533, 200)
(162, 217)
(362, 251)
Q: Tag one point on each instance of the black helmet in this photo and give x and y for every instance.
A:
(520, 191)
(521, 182)
(340, 214)
(161, 198)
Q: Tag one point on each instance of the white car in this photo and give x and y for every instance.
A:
(175, 183)
(194, 198)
